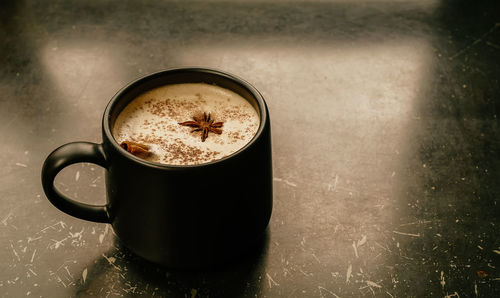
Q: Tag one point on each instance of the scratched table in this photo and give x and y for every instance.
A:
(385, 143)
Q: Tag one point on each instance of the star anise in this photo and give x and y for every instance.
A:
(204, 124)
(136, 149)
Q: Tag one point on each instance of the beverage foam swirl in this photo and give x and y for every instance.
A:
(153, 119)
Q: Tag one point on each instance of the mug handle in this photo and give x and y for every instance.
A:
(62, 157)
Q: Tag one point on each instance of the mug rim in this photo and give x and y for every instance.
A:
(106, 125)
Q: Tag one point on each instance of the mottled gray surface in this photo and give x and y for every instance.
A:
(385, 141)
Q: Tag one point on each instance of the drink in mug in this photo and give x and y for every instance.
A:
(197, 190)
(186, 124)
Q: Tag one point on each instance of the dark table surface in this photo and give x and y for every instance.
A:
(385, 143)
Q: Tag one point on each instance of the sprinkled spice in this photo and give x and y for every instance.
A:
(153, 119)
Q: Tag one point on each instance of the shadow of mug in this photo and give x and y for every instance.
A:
(187, 216)
(122, 272)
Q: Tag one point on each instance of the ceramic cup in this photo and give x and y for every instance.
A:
(179, 216)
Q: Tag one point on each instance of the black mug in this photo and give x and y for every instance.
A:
(179, 216)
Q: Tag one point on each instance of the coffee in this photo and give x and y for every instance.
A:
(187, 124)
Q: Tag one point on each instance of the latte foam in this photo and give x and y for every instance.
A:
(153, 118)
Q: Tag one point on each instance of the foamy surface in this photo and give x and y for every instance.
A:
(152, 119)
